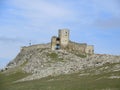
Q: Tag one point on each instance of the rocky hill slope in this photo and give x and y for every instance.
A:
(40, 61)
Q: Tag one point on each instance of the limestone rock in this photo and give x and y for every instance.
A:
(41, 61)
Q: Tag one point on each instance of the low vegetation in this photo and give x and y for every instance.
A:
(81, 55)
(53, 55)
(7, 80)
(97, 72)
(25, 62)
(76, 81)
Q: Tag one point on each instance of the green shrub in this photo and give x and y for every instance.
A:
(53, 55)
(81, 55)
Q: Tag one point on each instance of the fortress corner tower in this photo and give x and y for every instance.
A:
(64, 37)
(61, 41)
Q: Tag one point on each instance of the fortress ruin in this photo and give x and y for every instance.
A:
(63, 42)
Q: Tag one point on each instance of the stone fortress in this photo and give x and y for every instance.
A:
(63, 42)
(62, 57)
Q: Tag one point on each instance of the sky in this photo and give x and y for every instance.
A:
(95, 22)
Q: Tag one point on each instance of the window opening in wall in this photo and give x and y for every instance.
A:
(65, 33)
(58, 39)
(57, 46)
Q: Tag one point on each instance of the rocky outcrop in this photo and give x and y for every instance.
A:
(43, 62)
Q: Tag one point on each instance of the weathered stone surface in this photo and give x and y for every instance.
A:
(43, 62)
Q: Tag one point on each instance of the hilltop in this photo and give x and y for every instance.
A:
(61, 65)
(41, 61)
(38, 65)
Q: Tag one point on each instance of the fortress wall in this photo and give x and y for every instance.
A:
(53, 42)
(32, 47)
(63, 42)
(79, 47)
(90, 49)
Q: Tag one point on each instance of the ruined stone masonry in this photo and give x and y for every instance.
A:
(60, 57)
(63, 42)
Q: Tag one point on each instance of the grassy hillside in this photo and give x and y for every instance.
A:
(84, 80)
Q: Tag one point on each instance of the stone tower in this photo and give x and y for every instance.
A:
(64, 37)
(55, 43)
(89, 49)
(61, 41)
